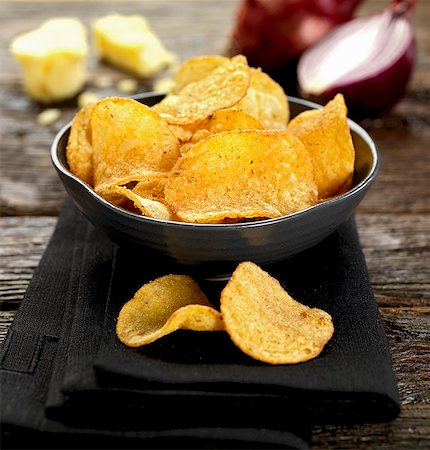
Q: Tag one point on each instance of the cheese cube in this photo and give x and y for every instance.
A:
(129, 43)
(52, 59)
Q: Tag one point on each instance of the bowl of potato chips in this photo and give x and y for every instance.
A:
(223, 168)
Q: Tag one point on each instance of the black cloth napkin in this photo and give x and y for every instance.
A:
(66, 378)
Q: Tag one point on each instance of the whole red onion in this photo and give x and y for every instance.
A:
(369, 60)
(271, 33)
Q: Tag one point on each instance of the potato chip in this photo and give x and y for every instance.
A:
(266, 101)
(130, 141)
(183, 132)
(326, 135)
(266, 323)
(153, 187)
(226, 120)
(185, 147)
(221, 88)
(241, 174)
(122, 196)
(162, 306)
(194, 69)
(79, 151)
(222, 120)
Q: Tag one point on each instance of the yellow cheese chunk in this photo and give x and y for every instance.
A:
(129, 43)
(52, 59)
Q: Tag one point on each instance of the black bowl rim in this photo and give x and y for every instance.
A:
(362, 186)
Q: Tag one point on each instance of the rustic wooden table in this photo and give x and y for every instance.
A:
(393, 219)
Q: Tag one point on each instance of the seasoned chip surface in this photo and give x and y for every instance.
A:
(129, 142)
(266, 101)
(266, 323)
(241, 174)
(228, 119)
(221, 88)
(79, 151)
(194, 69)
(325, 133)
(162, 306)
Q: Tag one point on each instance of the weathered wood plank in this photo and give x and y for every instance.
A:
(397, 250)
(410, 431)
(23, 240)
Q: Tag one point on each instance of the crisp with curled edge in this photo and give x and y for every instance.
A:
(223, 87)
(325, 133)
(266, 323)
(162, 306)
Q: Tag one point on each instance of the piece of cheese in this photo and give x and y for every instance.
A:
(129, 43)
(52, 58)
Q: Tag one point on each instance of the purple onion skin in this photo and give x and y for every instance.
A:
(375, 96)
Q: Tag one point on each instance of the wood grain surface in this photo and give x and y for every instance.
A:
(393, 219)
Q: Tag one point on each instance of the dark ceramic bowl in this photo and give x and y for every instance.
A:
(222, 245)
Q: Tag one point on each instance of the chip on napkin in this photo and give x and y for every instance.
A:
(266, 323)
(162, 306)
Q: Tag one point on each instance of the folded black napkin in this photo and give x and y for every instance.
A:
(67, 379)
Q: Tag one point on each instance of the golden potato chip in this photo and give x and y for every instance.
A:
(185, 147)
(241, 174)
(122, 196)
(266, 323)
(79, 151)
(130, 141)
(194, 69)
(222, 120)
(202, 134)
(183, 132)
(153, 187)
(226, 120)
(163, 306)
(266, 101)
(221, 88)
(325, 133)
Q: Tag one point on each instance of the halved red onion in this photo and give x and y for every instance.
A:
(272, 33)
(369, 60)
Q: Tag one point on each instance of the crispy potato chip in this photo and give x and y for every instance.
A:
(266, 323)
(194, 69)
(122, 196)
(266, 101)
(153, 187)
(203, 133)
(325, 133)
(222, 120)
(79, 151)
(183, 132)
(163, 306)
(129, 142)
(241, 174)
(185, 147)
(221, 88)
(226, 120)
